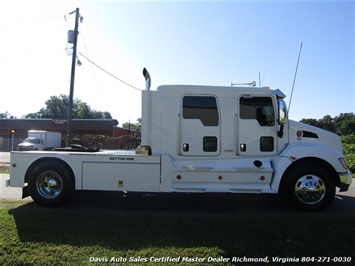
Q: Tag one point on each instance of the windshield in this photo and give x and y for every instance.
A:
(30, 140)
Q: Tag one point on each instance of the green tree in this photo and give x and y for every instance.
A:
(136, 127)
(6, 115)
(325, 123)
(57, 107)
(328, 123)
(349, 139)
(344, 124)
(312, 121)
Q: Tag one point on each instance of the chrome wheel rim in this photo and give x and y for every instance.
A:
(310, 189)
(49, 184)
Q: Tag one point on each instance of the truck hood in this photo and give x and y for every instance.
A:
(300, 132)
(25, 144)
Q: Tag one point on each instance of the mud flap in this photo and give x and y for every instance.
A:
(25, 192)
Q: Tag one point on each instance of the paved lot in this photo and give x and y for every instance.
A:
(4, 157)
(9, 193)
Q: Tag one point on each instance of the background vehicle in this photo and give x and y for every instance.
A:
(40, 140)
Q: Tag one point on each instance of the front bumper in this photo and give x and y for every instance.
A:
(345, 180)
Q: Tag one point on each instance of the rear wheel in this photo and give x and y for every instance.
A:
(310, 188)
(51, 184)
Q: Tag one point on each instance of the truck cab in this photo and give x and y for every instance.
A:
(29, 144)
(239, 140)
(214, 122)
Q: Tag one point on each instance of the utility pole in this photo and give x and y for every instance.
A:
(70, 104)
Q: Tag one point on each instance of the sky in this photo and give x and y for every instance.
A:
(180, 42)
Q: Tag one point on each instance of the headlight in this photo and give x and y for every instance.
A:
(343, 163)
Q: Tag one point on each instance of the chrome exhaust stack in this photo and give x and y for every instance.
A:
(148, 80)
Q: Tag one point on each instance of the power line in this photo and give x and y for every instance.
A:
(41, 19)
(34, 54)
(33, 20)
(109, 73)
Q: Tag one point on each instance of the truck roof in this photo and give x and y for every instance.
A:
(178, 90)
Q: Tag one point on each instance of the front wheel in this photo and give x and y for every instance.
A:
(51, 184)
(310, 188)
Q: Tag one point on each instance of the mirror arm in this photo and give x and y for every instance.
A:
(280, 133)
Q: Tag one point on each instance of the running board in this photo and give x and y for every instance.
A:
(197, 168)
(236, 191)
(251, 191)
(192, 190)
(230, 170)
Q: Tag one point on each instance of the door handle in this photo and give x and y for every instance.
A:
(243, 147)
(185, 147)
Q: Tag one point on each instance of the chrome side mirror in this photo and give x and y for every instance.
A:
(282, 116)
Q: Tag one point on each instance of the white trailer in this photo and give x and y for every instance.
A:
(200, 139)
(40, 140)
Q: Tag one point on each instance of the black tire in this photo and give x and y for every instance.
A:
(51, 184)
(309, 188)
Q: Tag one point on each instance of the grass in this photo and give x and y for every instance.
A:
(4, 169)
(76, 234)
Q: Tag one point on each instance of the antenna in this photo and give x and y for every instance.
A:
(294, 79)
(259, 80)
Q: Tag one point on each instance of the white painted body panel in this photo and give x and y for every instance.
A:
(111, 171)
(170, 168)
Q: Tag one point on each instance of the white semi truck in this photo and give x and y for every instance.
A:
(199, 139)
(40, 140)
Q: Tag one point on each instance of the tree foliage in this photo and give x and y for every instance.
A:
(6, 115)
(349, 150)
(135, 127)
(343, 125)
(57, 107)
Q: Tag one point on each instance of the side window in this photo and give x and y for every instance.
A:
(258, 108)
(201, 107)
(267, 143)
(210, 144)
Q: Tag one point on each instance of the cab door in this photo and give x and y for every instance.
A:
(256, 126)
(199, 126)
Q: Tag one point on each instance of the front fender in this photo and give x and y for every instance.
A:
(280, 165)
(296, 151)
